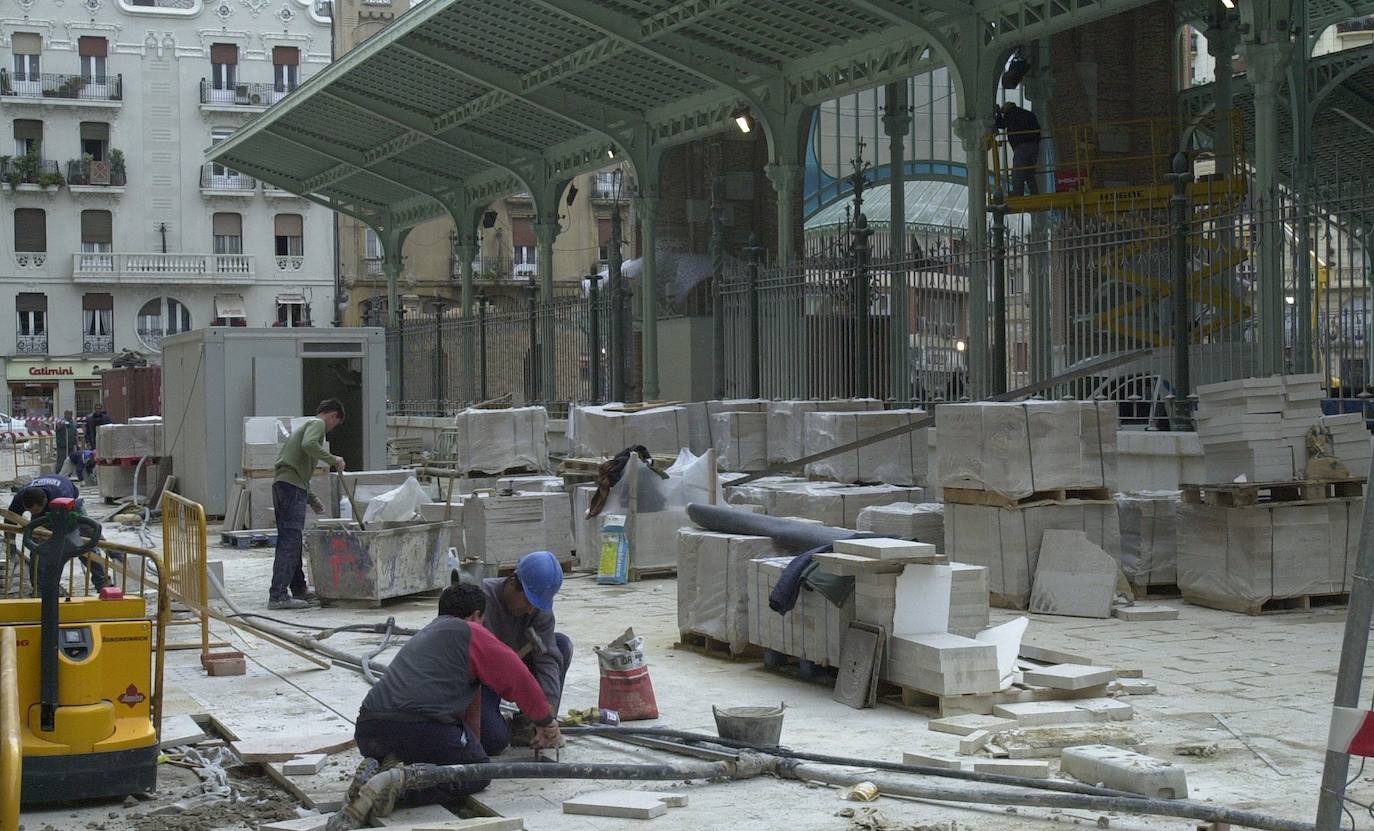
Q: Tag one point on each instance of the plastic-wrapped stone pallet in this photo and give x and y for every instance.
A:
(1007, 540)
(263, 437)
(813, 631)
(787, 423)
(834, 504)
(493, 441)
(897, 461)
(700, 431)
(603, 431)
(1149, 537)
(923, 522)
(1018, 449)
(763, 491)
(713, 583)
(741, 440)
(129, 441)
(1239, 558)
(1257, 427)
(501, 529)
(1350, 441)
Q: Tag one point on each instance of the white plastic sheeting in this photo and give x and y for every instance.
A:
(896, 461)
(494, 441)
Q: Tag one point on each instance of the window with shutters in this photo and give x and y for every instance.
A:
(32, 323)
(95, 140)
(97, 241)
(27, 48)
(526, 260)
(159, 318)
(28, 136)
(97, 322)
(285, 68)
(372, 252)
(224, 69)
(30, 230)
(93, 52)
(289, 234)
(228, 233)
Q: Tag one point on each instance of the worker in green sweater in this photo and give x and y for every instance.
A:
(290, 494)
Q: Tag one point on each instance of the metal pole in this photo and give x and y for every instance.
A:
(1350, 670)
(439, 396)
(619, 341)
(998, 362)
(532, 296)
(897, 123)
(1182, 417)
(594, 333)
(755, 339)
(399, 315)
(482, 344)
(717, 247)
(863, 380)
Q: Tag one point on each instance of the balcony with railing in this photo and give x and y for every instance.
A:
(221, 181)
(163, 269)
(51, 88)
(31, 344)
(30, 171)
(97, 344)
(94, 173)
(243, 96)
(372, 267)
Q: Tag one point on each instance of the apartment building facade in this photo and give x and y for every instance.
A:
(114, 232)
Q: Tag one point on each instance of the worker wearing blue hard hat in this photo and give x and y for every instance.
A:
(520, 614)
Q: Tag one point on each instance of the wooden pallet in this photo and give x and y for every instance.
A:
(637, 574)
(1274, 605)
(1242, 494)
(1008, 601)
(805, 670)
(247, 539)
(713, 648)
(509, 568)
(971, 496)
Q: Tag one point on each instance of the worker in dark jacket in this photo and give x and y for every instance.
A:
(67, 443)
(415, 712)
(97, 419)
(1023, 134)
(34, 498)
(520, 612)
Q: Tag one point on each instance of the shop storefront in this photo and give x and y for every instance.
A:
(45, 387)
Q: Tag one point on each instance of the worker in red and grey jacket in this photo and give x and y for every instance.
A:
(415, 713)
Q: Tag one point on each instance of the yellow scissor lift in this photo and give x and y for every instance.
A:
(1117, 172)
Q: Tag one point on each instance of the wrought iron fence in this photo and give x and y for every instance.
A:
(441, 362)
(939, 318)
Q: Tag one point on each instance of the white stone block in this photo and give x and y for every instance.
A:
(1073, 577)
(925, 760)
(1141, 612)
(886, 549)
(1028, 768)
(1069, 676)
(968, 724)
(1125, 770)
(307, 765)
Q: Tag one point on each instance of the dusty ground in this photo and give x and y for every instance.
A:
(1270, 677)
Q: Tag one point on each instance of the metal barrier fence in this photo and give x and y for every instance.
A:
(439, 363)
(185, 550)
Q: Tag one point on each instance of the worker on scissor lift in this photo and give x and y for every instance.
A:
(1023, 134)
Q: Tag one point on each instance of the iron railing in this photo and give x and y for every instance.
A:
(219, 178)
(73, 87)
(97, 173)
(243, 94)
(31, 344)
(27, 170)
(97, 344)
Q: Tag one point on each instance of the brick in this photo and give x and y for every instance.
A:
(307, 765)
(969, 724)
(974, 742)
(1029, 768)
(1125, 770)
(1069, 676)
(931, 761)
(1140, 612)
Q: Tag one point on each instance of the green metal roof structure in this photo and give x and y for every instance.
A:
(460, 102)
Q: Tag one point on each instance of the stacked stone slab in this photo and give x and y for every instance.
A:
(1149, 537)
(943, 664)
(499, 530)
(813, 630)
(787, 423)
(897, 461)
(1257, 427)
(1238, 558)
(701, 432)
(494, 441)
(1019, 449)
(876, 596)
(1350, 441)
(1007, 539)
(603, 431)
(740, 440)
(713, 583)
(1153, 460)
(924, 522)
(829, 503)
(129, 441)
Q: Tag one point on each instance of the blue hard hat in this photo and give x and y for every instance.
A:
(541, 576)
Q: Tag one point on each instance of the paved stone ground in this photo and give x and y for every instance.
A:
(1271, 677)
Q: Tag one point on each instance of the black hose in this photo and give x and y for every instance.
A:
(845, 761)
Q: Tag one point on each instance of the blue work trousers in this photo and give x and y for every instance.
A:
(495, 730)
(424, 742)
(288, 575)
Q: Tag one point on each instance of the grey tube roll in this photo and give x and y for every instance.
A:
(792, 535)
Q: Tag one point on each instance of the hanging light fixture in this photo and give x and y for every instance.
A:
(741, 117)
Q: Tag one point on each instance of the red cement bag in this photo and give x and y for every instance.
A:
(625, 684)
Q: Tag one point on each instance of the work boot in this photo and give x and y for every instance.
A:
(288, 603)
(309, 596)
(367, 769)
